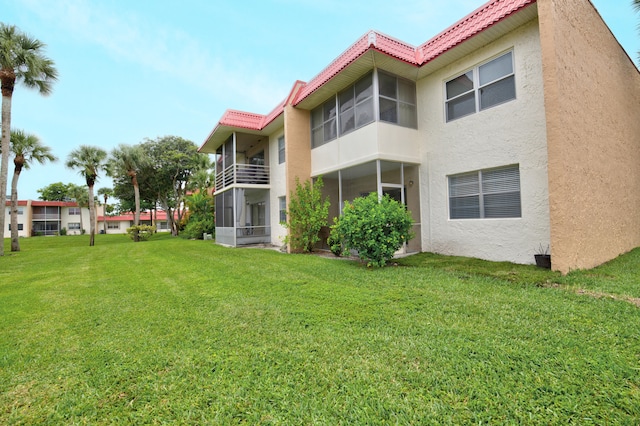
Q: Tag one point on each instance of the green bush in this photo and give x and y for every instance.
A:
(144, 232)
(63, 231)
(196, 228)
(306, 215)
(200, 218)
(376, 229)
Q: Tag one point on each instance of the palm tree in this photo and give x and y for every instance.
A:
(78, 194)
(22, 60)
(26, 148)
(106, 193)
(127, 160)
(88, 160)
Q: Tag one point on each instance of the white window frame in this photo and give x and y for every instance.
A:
(282, 209)
(281, 150)
(76, 226)
(399, 102)
(476, 186)
(477, 88)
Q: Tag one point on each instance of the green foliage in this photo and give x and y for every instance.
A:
(57, 191)
(376, 229)
(200, 218)
(63, 231)
(306, 216)
(144, 232)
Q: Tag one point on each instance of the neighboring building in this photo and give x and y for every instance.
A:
(119, 224)
(47, 218)
(515, 127)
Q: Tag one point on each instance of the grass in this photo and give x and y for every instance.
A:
(187, 332)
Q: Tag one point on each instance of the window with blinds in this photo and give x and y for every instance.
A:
(491, 193)
(480, 88)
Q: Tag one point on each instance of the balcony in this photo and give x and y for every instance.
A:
(242, 174)
(45, 216)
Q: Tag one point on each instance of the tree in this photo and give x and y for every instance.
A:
(200, 216)
(106, 193)
(88, 161)
(54, 192)
(306, 215)
(78, 194)
(173, 162)
(26, 149)
(22, 60)
(127, 160)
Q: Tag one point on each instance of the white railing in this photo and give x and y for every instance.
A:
(242, 174)
(45, 216)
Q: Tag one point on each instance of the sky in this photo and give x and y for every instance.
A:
(131, 70)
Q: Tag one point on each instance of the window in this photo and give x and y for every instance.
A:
(282, 202)
(20, 227)
(74, 210)
(356, 105)
(493, 193)
(73, 226)
(113, 225)
(485, 86)
(397, 100)
(281, 150)
(323, 123)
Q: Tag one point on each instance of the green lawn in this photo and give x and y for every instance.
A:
(187, 332)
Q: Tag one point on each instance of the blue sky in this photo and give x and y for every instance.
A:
(131, 70)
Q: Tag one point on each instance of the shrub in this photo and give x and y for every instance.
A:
(195, 229)
(199, 218)
(63, 231)
(375, 228)
(144, 232)
(306, 215)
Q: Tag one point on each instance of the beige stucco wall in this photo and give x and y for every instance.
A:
(510, 133)
(297, 137)
(592, 102)
(377, 140)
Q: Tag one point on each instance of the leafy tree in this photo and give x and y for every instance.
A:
(26, 149)
(105, 193)
(54, 192)
(88, 161)
(173, 161)
(375, 228)
(22, 60)
(306, 215)
(200, 216)
(126, 161)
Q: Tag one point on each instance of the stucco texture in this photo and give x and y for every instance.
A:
(507, 134)
(592, 102)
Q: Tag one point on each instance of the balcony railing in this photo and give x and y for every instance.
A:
(242, 174)
(44, 216)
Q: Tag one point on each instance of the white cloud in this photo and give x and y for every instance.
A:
(171, 51)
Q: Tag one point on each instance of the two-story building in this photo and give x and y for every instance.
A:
(37, 217)
(516, 127)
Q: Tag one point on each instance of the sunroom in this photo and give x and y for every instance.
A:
(242, 190)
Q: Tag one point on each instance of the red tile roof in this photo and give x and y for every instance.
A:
(40, 203)
(472, 24)
(158, 215)
(477, 21)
